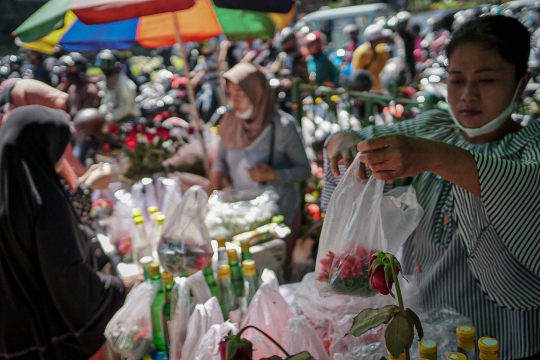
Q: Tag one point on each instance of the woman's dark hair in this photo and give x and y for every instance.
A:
(504, 34)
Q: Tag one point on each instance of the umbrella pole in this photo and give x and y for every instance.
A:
(191, 95)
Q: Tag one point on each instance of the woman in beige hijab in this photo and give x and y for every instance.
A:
(260, 145)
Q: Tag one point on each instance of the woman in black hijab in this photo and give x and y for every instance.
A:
(54, 304)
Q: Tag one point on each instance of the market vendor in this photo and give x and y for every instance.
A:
(260, 145)
(476, 173)
(54, 302)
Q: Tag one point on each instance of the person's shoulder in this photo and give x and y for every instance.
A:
(432, 120)
(284, 121)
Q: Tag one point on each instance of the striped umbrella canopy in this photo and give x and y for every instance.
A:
(60, 25)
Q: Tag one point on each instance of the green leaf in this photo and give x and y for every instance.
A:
(388, 274)
(399, 334)
(371, 318)
(417, 324)
(304, 355)
(232, 346)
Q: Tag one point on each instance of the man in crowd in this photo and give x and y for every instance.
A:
(290, 59)
(373, 54)
(318, 62)
(118, 102)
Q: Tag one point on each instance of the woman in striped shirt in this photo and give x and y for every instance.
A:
(477, 176)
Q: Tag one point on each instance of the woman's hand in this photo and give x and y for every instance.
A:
(342, 148)
(263, 173)
(396, 156)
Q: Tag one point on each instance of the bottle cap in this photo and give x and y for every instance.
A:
(167, 278)
(145, 261)
(153, 269)
(249, 267)
(466, 331)
(136, 212)
(221, 241)
(427, 346)
(160, 218)
(488, 344)
(138, 220)
(224, 271)
(232, 255)
(456, 356)
(244, 245)
(152, 209)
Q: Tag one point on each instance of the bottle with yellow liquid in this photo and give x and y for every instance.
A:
(456, 356)
(222, 251)
(466, 341)
(488, 348)
(428, 349)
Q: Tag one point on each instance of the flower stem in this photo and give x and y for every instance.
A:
(265, 334)
(391, 259)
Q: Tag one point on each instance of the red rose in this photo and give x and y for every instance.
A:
(113, 128)
(377, 279)
(131, 143)
(163, 133)
(241, 350)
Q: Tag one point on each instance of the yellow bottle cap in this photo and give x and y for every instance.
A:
(214, 129)
(455, 356)
(152, 209)
(244, 245)
(334, 98)
(221, 241)
(466, 331)
(153, 269)
(138, 220)
(167, 278)
(488, 344)
(232, 255)
(160, 218)
(136, 212)
(224, 271)
(249, 267)
(427, 346)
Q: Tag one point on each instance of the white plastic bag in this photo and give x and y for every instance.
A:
(300, 336)
(181, 305)
(209, 346)
(267, 311)
(200, 321)
(360, 221)
(130, 330)
(185, 245)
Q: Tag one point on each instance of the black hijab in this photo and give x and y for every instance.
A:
(54, 305)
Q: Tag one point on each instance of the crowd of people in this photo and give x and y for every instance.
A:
(474, 170)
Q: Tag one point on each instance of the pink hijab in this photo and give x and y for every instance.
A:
(236, 133)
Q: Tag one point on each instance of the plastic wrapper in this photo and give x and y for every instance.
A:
(209, 345)
(185, 246)
(120, 225)
(167, 190)
(360, 221)
(130, 330)
(234, 212)
(300, 336)
(267, 311)
(181, 305)
(200, 321)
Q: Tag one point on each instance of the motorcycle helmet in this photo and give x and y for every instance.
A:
(15, 63)
(373, 32)
(108, 61)
(351, 29)
(315, 38)
(361, 80)
(74, 65)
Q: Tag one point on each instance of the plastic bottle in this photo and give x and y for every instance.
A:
(145, 262)
(466, 341)
(252, 279)
(209, 277)
(237, 278)
(157, 305)
(428, 349)
(136, 212)
(456, 356)
(168, 283)
(140, 241)
(227, 300)
(488, 348)
(400, 357)
(222, 251)
(246, 254)
(156, 232)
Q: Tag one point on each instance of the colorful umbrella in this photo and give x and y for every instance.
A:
(200, 22)
(275, 6)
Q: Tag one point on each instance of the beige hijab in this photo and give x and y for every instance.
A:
(236, 133)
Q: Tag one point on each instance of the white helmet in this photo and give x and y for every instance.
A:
(403, 16)
(373, 32)
(350, 28)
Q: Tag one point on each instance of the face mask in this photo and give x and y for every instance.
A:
(493, 124)
(246, 114)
